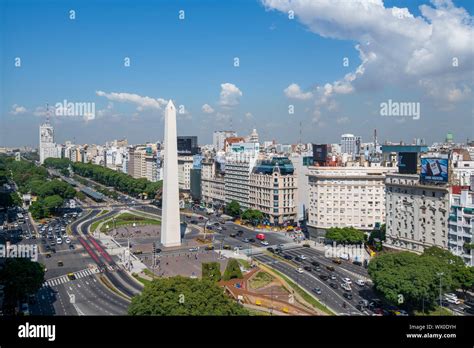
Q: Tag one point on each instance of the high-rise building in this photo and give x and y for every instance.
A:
(170, 226)
(212, 182)
(350, 144)
(273, 190)
(185, 164)
(219, 138)
(47, 147)
(187, 145)
(346, 196)
(417, 213)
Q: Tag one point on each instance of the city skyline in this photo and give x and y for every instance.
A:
(282, 63)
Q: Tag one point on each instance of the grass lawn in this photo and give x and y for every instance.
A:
(125, 219)
(244, 263)
(260, 280)
(438, 311)
(141, 280)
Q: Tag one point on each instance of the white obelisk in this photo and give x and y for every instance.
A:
(170, 225)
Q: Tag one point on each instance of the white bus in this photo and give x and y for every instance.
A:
(20, 218)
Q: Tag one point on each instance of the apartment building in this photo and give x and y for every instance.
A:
(212, 182)
(417, 213)
(185, 164)
(461, 223)
(273, 190)
(346, 196)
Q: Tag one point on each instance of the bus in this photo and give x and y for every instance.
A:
(20, 218)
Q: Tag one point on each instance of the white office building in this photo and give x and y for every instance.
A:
(346, 196)
(350, 144)
(47, 147)
(219, 137)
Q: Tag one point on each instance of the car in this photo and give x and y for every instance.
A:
(400, 313)
(288, 257)
(298, 259)
(60, 264)
(280, 246)
(346, 287)
(245, 240)
(299, 270)
(337, 260)
(71, 247)
(450, 295)
(317, 269)
(233, 235)
(359, 307)
(264, 242)
(59, 240)
(303, 257)
(71, 276)
(453, 300)
(360, 282)
(47, 255)
(307, 268)
(333, 285)
(315, 263)
(317, 291)
(347, 281)
(270, 249)
(53, 243)
(194, 249)
(251, 240)
(330, 268)
(347, 295)
(333, 277)
(68, 241)
(323, 277)
(227, 247)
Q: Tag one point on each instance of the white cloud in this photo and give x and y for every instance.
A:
(394, 46)
(207, 109)
(18, 109)
(294, 91)
(141, 102)
(342, 120)
(229, 95)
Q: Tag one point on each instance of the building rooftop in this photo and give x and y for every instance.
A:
(281, 164)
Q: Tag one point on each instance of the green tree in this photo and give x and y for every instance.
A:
(345, 235)
(211, 271)
(21, 277)
(183, 296)
(36, 210)
(408, 277)
(232, 270)
(233, 209)
(51, 204)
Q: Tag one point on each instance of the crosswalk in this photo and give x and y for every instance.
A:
(64, 279)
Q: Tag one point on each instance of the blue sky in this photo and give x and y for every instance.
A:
(190, 60)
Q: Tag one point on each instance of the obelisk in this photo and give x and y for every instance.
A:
(170, 225)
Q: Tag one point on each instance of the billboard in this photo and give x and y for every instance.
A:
(407, 162)
(434, 169)
(320, 153)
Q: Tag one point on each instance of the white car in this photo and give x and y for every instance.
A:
(453, 300)
(264, 242)
(347, 281)
(360, 282)
(346, 286)
(451, 295)
(302, 257)
(299, 270)
(68, 241)
(59, 240)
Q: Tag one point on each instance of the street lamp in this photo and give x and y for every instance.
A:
(440, 274)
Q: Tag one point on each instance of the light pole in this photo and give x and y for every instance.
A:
(440, 274)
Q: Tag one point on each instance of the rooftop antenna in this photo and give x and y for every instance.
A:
(47, 113)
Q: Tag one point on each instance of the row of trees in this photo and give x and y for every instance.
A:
(7, 199)
(183, 296)
(413, 281)
(109, 177)
(251, 215)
